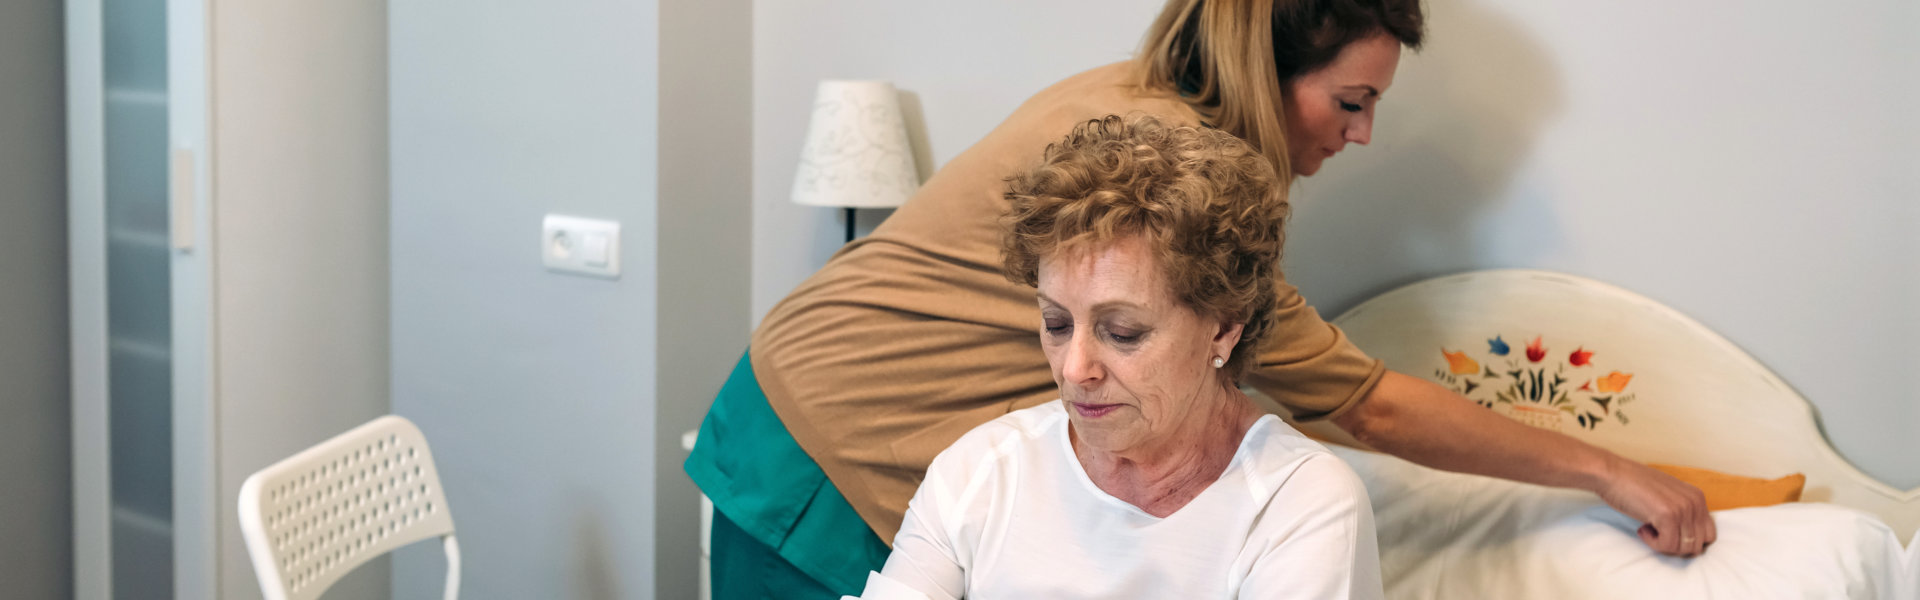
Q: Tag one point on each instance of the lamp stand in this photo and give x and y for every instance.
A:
(850, 224)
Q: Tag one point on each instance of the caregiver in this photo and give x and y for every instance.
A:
(910, 337)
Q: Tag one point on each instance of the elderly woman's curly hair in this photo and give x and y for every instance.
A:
(1208, 204)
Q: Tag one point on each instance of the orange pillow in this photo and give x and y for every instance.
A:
(1733, 491)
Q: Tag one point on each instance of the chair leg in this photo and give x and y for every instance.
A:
(452, 545)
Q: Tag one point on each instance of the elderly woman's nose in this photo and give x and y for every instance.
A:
(1082, 361)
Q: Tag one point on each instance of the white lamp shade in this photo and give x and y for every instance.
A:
(856, 154)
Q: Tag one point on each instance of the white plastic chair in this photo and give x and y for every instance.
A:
(312, 518)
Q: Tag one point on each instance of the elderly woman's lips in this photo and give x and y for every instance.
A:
(1093, 410)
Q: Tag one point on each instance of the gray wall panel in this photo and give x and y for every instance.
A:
(36, 504)
(706, 193)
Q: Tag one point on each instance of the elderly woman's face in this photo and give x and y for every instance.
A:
(1130, 359)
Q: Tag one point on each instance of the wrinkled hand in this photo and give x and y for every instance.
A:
(1673, 514)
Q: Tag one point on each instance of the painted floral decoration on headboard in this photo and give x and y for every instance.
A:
(1539, 393)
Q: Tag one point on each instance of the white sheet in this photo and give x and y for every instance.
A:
(1446, 535)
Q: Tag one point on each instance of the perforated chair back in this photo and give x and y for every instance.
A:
(310, 519)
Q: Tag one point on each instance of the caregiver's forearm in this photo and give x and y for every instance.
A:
(1420, 421)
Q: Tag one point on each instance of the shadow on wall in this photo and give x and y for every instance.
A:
(596, 577)
(916, 117)
(1449, 140)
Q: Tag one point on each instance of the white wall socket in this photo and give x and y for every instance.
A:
(581, 246)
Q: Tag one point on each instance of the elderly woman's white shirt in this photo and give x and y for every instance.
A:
(1008, 512)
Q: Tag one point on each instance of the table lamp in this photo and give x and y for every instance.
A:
(856, 155)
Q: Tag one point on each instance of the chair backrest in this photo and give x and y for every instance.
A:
(312, 518)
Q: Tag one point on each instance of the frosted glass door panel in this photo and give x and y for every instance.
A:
(139, 314)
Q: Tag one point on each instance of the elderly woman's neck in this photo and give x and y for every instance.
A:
(1161, 478)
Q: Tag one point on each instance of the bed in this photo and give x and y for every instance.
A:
(1623, 372)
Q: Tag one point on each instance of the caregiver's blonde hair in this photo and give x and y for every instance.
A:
(1230, 59)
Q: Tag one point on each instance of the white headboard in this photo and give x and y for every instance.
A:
(1658, 386)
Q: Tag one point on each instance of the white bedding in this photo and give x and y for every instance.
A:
(1447, 535)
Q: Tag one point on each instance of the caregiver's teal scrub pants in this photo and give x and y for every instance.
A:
(780, 529)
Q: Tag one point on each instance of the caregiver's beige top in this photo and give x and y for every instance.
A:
(911, 337)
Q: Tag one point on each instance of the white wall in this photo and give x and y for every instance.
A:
(36, 502)
(556, 404)
(1749, 164)
(537, 390)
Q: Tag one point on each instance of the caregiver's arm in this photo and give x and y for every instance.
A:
(1421, 421)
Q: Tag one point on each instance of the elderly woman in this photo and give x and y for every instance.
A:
(1154, 251)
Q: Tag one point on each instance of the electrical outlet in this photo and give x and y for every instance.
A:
(581, 246)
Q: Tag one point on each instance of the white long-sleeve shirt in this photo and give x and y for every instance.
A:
(1008, 512)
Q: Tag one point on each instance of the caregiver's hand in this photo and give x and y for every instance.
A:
(1674, 514)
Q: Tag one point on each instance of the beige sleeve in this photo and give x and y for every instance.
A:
(1308, 365)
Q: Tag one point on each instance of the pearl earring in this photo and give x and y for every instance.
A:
(1219, 362)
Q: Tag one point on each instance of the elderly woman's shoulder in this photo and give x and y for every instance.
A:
(1007, 437)
(1024, 426)
(1287, 463)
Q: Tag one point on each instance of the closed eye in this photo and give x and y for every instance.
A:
(1350, 107)
(1126, 337)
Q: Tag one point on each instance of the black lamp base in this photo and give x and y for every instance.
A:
(850, 215)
